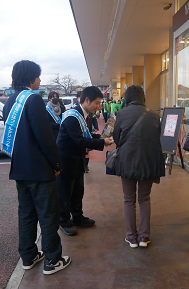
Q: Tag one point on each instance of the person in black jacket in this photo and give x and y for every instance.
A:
(140, 162)
(54, 112)
(35, 164)
(62, 106)
(72, 147)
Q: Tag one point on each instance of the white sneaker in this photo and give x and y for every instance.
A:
(50, 268)
(132, 242)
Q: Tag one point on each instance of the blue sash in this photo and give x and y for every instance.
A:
(12, 122)
(75, 105)
(82, 122)
(56, 118)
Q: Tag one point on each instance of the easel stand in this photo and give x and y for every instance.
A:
(170, 130)
(180, 153)
(169, 159)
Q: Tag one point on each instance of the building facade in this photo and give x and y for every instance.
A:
(141, 42)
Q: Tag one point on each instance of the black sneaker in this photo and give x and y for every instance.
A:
(28, 265)
(83, 222)
(87, 170)
(50, 268)
(69, 230)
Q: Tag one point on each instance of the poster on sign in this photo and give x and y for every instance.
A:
(109, 128)
(170, 125)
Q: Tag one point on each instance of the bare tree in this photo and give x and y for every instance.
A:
(66, 82)
(85, 83)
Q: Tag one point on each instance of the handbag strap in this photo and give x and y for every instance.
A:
(134, 127)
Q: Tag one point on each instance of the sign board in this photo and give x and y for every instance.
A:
(107, 90)
(170, 128)
(181, 16)
(116, 94)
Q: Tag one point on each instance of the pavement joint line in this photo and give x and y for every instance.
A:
(18, 273)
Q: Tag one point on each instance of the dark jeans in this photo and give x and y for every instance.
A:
(38, 201)
(71, 191)
(105, 116)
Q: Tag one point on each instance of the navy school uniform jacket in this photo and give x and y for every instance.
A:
(35, 155)
(72, 145)
(55, 126)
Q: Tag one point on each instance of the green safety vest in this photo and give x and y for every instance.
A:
(119, 106)
(108, 107)
(113, 107)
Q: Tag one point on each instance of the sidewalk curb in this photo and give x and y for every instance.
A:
(18, 273)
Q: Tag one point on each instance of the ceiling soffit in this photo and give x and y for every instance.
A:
(115, 34)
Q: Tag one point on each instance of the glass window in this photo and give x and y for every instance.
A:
(163, 62)
(167, 59)
(182, 52)
(66, 101)
(164, 90)
(187, 42)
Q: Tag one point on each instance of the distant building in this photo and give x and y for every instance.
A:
(48, 88)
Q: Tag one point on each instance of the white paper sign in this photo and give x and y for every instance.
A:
(170, 125)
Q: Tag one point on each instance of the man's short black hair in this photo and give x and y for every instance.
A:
(133, 93)
(51, 95)
(24, 73)
(92, 92)
(79, 94)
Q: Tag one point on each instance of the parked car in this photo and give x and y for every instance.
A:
(2, 91)
(8, 92)
(45, 99)
(2, 126)
(69, 101)
(3, 99)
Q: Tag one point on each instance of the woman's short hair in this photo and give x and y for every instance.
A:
(24, 73)
(51, 95)
(92, 92)
(133, 93)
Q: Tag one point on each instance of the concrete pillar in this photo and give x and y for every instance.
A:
(117, 92)
(138, 75)
(170, 77)
(122, 87)
(152, 69)
(128, 77)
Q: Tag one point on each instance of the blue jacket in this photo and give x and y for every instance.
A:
(35, 155)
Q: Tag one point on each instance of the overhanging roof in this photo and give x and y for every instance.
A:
(116, 34)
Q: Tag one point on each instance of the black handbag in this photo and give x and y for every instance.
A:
(186, 144)
(112, 155)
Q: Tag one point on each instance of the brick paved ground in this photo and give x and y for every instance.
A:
(8, 225)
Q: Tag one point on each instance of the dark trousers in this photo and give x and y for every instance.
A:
(38, 201)
(103, 112)
(105, 116)
(71, 191)
(129, 190)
